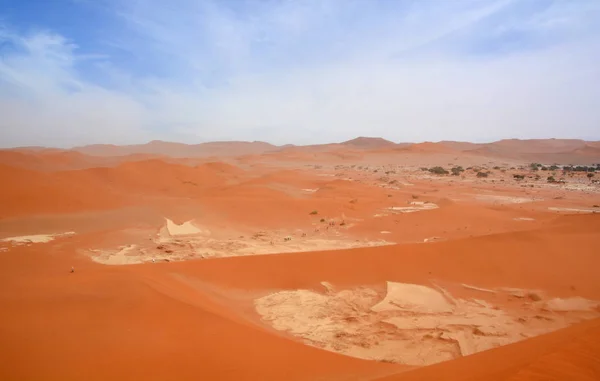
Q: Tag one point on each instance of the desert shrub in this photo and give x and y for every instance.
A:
(537, 177)
(553, 167)
(414, 196)
(551, 179)
(457, 170)
(482, 174)
(322, 220)
(518, 177)
(544, 168)
(590, 175)
(314, 212)
(424, 169)
(438, 171)
(496, 168)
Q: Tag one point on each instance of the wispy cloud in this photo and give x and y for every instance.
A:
(306, 71)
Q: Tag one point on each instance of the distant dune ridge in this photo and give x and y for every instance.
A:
(547, 151)
(567, 151)
(157, 147)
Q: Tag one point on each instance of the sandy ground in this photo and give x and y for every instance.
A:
(415, 324)
(319, 263)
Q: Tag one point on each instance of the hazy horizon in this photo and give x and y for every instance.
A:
(79, 72)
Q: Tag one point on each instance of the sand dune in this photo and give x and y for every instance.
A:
(179, 149)
(333, 262)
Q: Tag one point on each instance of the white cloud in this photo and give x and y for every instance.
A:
(311, 71)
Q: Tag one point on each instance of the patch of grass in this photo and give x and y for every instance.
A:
(314, 213)
(322, 220)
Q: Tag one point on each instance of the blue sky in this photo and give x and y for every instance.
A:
(77, 72)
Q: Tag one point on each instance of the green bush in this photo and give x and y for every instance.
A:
(457, 170)
(438, 171)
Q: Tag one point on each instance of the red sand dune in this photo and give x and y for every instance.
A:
(164, 322)
(428, 147)
(196, 319)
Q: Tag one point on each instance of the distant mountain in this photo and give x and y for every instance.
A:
(368, 143)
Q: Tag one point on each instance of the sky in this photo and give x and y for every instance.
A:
(75, 72)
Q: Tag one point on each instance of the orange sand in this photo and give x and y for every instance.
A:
(193, 317)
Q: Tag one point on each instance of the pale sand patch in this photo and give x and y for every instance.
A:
(413, 297)
(38, 238)
(415, 206)
(189, 241)
(308, 190)
(469, 287)
(523, 219)
(571, 304)
(572, 210)
(504, 199)
(385, 232)
(123, 256)
(416, 326)
(187, 228)
(431, 239)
